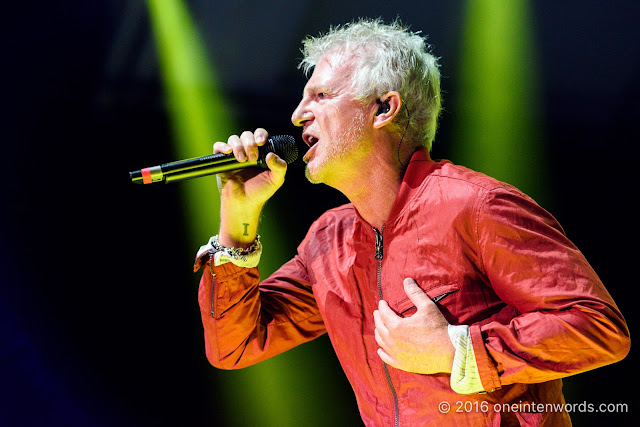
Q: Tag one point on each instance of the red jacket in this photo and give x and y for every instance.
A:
(537, 311)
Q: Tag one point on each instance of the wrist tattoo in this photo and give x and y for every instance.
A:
(246, 226)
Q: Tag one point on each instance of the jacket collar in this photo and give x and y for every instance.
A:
(419, 167)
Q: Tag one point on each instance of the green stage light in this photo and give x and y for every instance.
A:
(193, 100)
(279, 391)
(497, 118)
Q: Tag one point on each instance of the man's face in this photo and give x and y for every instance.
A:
(335, 125)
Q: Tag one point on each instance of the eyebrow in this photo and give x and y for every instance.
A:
(315, 88)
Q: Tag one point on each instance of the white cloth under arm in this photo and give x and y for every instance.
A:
(465, 378)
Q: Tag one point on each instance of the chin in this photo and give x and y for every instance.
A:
(311, 176)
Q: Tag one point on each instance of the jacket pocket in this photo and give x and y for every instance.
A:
(437, 294)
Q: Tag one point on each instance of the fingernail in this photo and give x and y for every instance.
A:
(241, 156)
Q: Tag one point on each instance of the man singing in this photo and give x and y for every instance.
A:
(435, 283)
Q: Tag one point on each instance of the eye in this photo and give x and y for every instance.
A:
(322, 95)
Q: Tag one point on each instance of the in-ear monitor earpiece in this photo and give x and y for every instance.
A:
(384, 107)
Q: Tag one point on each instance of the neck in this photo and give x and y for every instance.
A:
(373, 188)
(374, 203)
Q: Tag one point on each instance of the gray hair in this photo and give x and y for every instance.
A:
(390, 58)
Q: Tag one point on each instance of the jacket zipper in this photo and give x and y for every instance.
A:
(379, 255)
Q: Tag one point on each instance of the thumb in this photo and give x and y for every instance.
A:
(277, 166)
(417, 296)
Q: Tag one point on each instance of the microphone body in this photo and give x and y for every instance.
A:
(284, 146)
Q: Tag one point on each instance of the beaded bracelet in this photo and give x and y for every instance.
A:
(235, 253)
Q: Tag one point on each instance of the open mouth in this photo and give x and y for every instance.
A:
(311, 141)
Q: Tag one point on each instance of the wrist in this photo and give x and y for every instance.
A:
(236, 241)
(239, 228)
(243, 255)
(445, 355)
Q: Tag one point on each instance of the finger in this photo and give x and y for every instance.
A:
(380, 328)
(250, 147)
(381, 342)
(238, 149)
(386, 358)
(379, 323)
(222, 147)
(388, 316)
(260, 136)
(417, 296)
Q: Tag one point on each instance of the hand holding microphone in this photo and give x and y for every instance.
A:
(250, 168)
(254, 186)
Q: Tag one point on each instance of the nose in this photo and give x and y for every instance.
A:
(301, 114)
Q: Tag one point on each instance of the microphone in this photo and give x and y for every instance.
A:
(284, 146)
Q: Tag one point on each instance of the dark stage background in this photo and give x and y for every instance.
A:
(98, 317)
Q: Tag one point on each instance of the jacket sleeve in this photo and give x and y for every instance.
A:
(567, 322)
(246, 321)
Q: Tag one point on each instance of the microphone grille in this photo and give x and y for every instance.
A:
(284, 146)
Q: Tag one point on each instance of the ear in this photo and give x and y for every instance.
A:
(387, 106)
